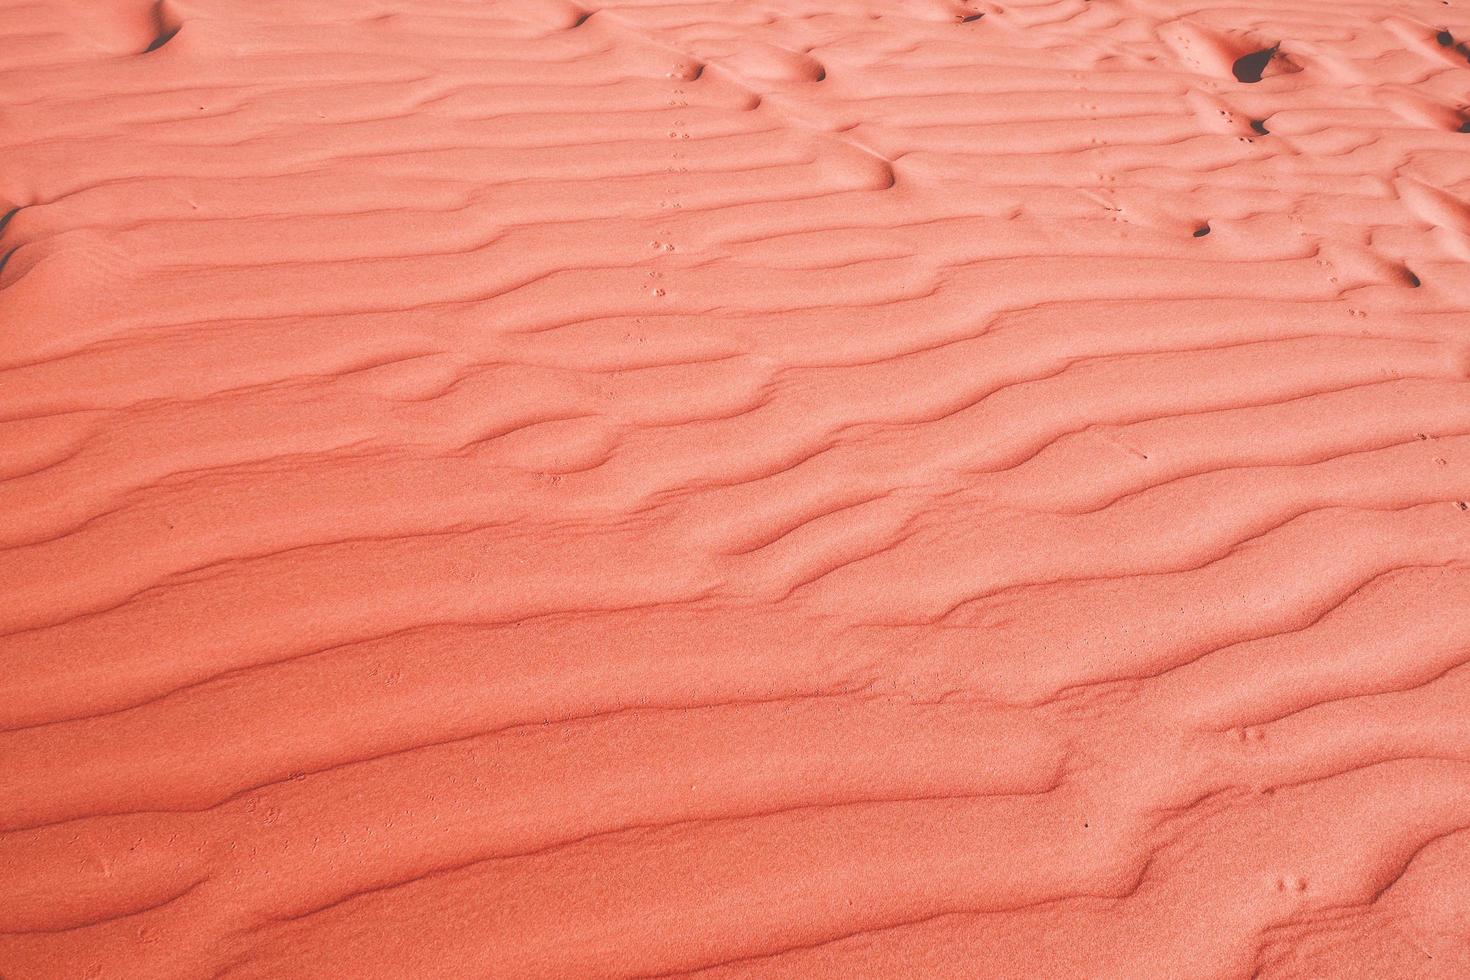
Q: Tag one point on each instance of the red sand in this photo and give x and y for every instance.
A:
(783, 488)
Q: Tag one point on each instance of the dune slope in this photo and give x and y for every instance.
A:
(859, 488)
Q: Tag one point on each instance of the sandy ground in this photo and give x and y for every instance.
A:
(782, 488)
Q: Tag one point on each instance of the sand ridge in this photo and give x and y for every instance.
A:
(782, 489)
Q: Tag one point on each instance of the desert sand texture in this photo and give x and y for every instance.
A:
(761, 488)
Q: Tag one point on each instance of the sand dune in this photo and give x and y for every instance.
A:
(869, 488)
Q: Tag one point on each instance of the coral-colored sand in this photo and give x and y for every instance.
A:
(783, 488)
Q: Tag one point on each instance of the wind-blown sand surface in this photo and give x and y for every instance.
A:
(785, 488)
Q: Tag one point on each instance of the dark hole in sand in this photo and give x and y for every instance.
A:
(1201, 231)
(1259, 128)
(1248, 67)
(161, 40)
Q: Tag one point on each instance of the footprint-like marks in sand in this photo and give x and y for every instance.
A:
(1212, 53)
(1217, 117)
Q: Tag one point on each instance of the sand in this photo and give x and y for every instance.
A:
(859, 488)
